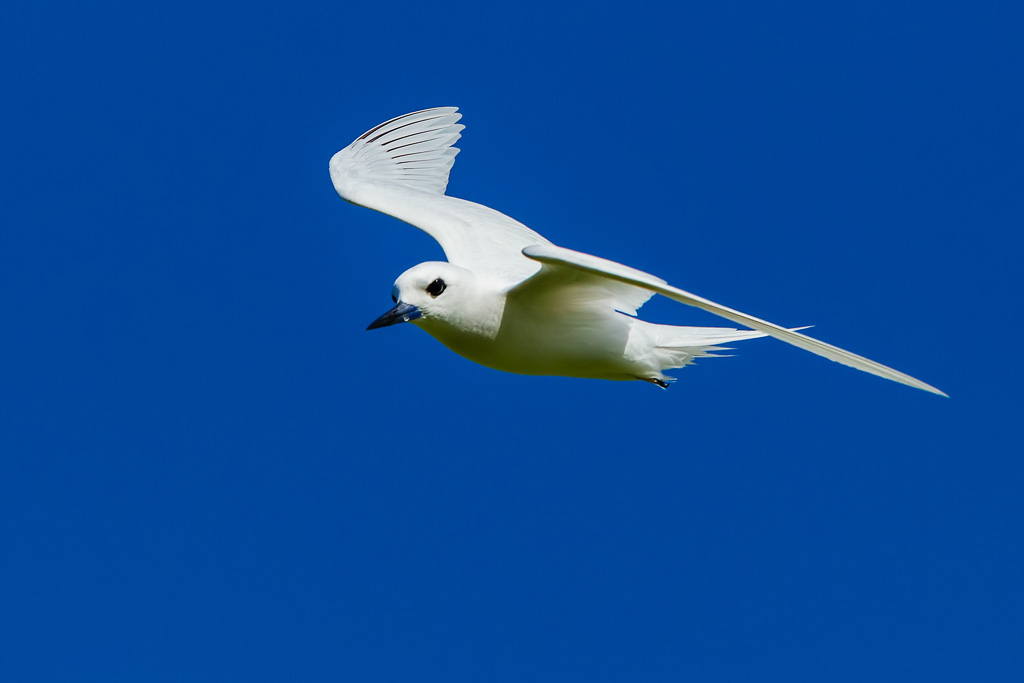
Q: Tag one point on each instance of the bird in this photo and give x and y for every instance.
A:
(509, 299)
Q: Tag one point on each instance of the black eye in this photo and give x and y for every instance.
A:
(435, 288)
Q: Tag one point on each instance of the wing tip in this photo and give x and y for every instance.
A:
(414, 150)
(439, 111)
(930, 389)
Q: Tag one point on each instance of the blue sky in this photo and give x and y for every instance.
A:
(209, 470)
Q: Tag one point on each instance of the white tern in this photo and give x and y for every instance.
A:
(511, 300)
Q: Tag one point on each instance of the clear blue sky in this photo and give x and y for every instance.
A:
(209, 471)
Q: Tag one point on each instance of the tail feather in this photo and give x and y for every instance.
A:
(677, 347)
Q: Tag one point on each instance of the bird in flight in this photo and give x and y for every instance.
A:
(509, 299)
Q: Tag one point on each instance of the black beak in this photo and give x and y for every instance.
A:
(401, 313)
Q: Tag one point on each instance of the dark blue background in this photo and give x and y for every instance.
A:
(209, 471)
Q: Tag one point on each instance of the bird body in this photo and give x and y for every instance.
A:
(511, 300)
(538, 330)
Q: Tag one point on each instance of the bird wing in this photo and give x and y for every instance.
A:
(561, 259)
(562, 290)
(401, 168)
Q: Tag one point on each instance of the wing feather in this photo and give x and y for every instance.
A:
(557, 256)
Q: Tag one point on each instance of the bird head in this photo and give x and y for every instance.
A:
(431, 293)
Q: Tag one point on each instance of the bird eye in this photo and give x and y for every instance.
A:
(436, 287)
(394, 294)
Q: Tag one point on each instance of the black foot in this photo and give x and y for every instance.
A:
(654, 380)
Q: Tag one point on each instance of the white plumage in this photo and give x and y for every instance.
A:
(509, 299)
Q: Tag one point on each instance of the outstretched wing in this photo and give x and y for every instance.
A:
(558, 258)
(401, 168)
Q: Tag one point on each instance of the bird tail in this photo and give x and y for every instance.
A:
(677, 347)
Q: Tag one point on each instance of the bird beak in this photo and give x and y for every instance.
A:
(401, 313)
